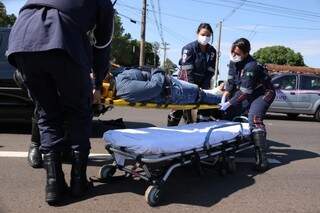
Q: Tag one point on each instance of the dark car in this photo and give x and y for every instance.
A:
(15, 104)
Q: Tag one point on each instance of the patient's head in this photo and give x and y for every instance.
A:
(221, 86)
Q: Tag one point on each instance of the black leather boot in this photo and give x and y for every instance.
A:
(56, 185)
(34, 154)
(79, 183)
(172, 121)
(66, 156)
(260, 141)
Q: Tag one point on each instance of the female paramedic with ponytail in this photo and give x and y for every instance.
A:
(249, 88)
(197, 66)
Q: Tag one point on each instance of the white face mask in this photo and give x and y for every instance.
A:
(235, 58)
(204, 40)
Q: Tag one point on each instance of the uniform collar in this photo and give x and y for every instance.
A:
(245, 61)
(197, 46)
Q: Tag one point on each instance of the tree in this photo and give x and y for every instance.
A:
(5, 19)
(125, 50)
(279, 55)
(169, 66)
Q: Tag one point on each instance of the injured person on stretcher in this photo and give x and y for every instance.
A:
(153, 85)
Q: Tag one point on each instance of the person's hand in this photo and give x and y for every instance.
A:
(223, 100)
(224, 97)
(224, 106)
(96, 96)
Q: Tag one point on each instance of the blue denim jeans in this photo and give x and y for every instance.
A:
(183, 92)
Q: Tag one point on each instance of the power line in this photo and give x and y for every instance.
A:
(259, 5)
(258, 10)
(291, 27)
(160, 21)
(178, 37)
(252, 33)
(306, 12)
(234, 10)
(277, 27)
(163, 13)
(181, 38)
(127, 17)
(156, 21)
(205, 2)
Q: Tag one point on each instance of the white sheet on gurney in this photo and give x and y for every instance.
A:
(167, 140)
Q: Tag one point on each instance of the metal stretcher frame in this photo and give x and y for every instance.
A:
(223, 152)
(108, 102)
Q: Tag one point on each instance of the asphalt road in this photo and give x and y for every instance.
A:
(291, 185)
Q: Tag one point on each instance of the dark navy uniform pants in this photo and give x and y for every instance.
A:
(62, 91)
(256, 107)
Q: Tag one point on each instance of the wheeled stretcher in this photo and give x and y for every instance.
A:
(153, 153)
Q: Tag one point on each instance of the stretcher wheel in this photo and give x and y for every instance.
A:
(152, 195)
(107, 171)
(222, 167)
(223, 172)
(232, 167)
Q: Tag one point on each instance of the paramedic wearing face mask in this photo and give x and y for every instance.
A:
(55, 44)
(197, 66)
(249, 88)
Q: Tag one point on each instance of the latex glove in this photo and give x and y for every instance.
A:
(223, 99)
(96, 96)
(225, 106)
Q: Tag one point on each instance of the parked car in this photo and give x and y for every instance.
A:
(15, 104)
(297, 94)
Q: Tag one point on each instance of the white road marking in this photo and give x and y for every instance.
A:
(13, 154)
(10, 154)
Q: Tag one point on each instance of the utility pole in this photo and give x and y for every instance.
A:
(165, 48)
(156, 47)
(216, 73)
(143, 33)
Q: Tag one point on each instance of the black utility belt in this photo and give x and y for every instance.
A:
(199, 74)
(167, 87)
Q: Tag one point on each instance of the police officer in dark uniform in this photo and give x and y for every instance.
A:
(197, 66)
(249, 88)
(50, 45)
(34, 154)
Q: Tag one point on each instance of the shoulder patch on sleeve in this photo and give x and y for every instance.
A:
(213, 54)
(249, 74)
(184, 57)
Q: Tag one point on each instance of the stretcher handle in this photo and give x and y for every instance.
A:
(242, 119)
(206, 141)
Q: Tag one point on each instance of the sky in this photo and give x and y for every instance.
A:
(292, 23)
